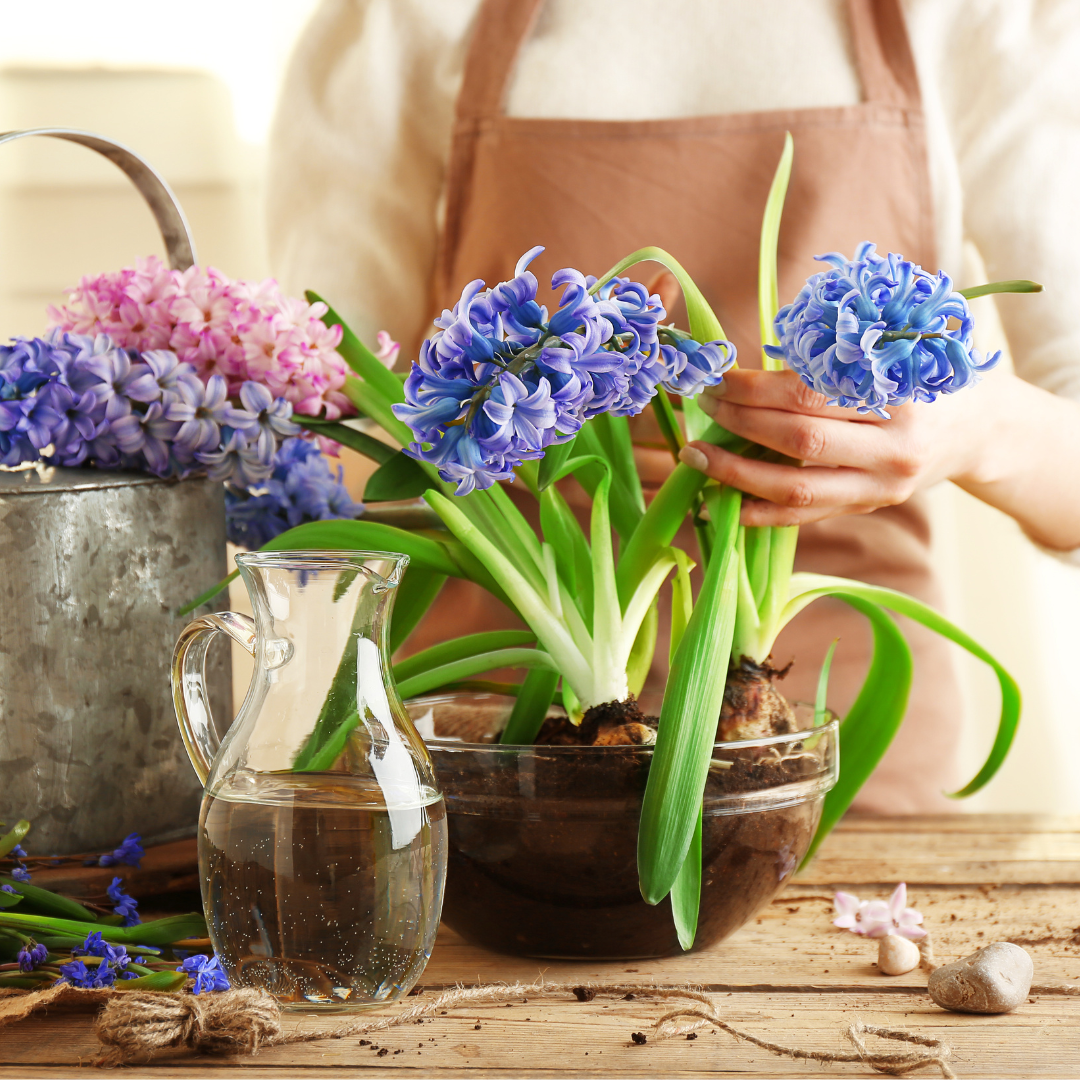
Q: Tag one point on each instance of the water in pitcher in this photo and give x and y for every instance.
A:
(318, 892)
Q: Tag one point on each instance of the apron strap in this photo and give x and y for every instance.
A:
(883, 54)
(500, 29)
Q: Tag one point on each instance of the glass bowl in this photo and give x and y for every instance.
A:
(543, 839)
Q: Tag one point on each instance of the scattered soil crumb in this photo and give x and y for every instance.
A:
(692, 1035)
(638, 1038)
(476, 1027)
(628, 997)
(365, 1042)
(383, 1052)
(584, 993)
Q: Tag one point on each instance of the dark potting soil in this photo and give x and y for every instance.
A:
(543, 850)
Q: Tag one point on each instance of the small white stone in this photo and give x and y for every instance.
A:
(993, 980)
(896, 955)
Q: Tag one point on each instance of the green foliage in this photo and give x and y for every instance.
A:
(350, 437)
(14, 837)
(398, 477)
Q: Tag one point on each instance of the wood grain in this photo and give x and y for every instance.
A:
(788, 975)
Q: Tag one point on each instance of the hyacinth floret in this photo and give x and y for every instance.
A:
(500, 381)
(879, 331)
(129, 852)
(207, 973)
(300, 488)
(123, 905)
(32, 956)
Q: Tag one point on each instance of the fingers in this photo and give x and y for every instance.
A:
(776, 390)
(793, 495)
(814, 439)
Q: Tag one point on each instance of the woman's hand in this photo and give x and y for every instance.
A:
(1003, 440)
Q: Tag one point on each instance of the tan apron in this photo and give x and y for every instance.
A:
(592, 191)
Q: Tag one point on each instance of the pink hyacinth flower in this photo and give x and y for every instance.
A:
(848, 909)
(388, 349)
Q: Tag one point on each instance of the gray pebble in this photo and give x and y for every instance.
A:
(993, 980)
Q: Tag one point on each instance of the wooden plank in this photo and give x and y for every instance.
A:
(165, 868)
(932, 851)
(788, 975)
(593, 1039)
(793, 942)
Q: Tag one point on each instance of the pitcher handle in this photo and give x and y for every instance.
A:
(189, 683)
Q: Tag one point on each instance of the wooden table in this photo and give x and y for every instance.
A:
(788, 976)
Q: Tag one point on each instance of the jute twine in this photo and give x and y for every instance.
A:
(135, 1026)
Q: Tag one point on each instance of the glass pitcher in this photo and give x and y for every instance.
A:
(322, 835)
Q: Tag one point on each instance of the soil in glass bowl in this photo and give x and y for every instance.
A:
(543, 839)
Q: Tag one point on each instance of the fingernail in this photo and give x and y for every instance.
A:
(719, 390)
(692, 456)
(707, 404)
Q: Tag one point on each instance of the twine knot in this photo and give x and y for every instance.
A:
(135, 1026)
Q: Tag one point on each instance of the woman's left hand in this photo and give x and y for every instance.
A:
(852, 463)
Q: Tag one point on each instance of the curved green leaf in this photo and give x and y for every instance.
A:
(398, 477)
(43, 902)
(432, 679)
(446, 652)
(359, 357)
(359, 441)
(14, 837)
(415, 595)
(165, 982)
(805, 588)
(686, 892)
(873, 719)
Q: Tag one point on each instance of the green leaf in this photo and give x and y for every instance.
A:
(704, 324)
(1017, 286)
(613, 433)
(562, 530)
(682, 600)
(157, 932)
(399, 477)
(370, 403)
(807, 587)
(10, 840)
(644, 648)
(415, 595)
(667, 422)
(686, 892)
(348, 436)
(665, 514)
(872, 720)
(553, 460)
(165, 982)
(692, 700)
(43, 902)
(592, 466)
(10, 899)
(821, 706)
(768, 283)
(426, 681)
(446, 652)
(531, 707)
(359, 357)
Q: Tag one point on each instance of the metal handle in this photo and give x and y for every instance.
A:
(190, 699)
(158, 195)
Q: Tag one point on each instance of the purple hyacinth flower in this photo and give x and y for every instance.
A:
(236, 462)
(161, 378)
(8, 889)
(202, 414)
(20, 873)
(517, 410)
(855, 333)
(148, 434)
(691, 366)
(93, 977)
(96, 945)
(272, 415)
(115, 380)
(206, 972)
(76, 424)
(129, 852)
(32, 956)
(123, 904)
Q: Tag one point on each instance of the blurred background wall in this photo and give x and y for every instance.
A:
(192, 89)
